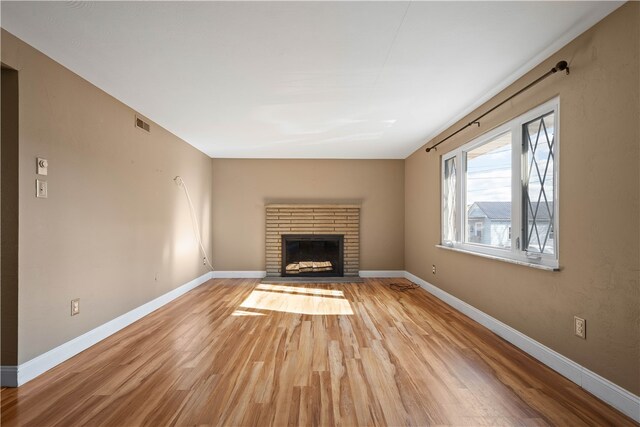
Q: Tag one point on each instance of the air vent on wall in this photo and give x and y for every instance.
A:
(141, 124)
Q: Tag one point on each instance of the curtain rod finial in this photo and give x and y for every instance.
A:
(560, 66)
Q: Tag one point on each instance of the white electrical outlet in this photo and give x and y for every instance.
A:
(580, 327)
(75, 306)
(433, 269)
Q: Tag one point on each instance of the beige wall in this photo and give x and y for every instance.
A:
(115, 230)
(241, 188)
(599, 210)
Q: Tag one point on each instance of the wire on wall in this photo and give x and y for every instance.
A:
(560, 66)
(194, 217)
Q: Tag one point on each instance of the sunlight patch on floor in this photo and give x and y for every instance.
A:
(263, 299)
(246, 313)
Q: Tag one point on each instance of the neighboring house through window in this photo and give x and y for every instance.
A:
(499, 191)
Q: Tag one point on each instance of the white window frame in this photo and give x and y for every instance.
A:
(514, 254)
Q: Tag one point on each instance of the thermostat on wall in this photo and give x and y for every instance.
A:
(42, 166)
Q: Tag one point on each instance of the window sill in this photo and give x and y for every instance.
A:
(498, 258)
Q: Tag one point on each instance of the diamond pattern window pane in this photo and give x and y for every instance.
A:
(449, 200)
(538, 149)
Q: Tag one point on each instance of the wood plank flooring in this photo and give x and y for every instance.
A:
(240, 352)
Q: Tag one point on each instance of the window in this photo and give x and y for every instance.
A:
(449, 192)
(499, 191)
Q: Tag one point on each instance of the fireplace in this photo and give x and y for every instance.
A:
(312, 221)
(312, 255)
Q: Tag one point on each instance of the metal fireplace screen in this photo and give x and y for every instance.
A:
(310, 255)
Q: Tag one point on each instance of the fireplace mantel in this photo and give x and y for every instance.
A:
(307, 206)
(283, 219)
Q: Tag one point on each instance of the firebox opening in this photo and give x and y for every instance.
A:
(312, 255)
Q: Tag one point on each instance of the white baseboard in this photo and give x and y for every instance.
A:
(393, 274)
(621, 399)
(9, 376)
(257, 274)
(247, 274)
(15, 376)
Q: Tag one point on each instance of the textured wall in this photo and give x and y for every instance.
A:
(115, 230)
(242, 188)
(599, 233)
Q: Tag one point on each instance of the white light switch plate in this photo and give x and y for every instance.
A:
(41, 189)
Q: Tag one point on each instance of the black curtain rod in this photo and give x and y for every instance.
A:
(560, 66)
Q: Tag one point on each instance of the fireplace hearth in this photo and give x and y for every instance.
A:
(312, 255)
(310, 222)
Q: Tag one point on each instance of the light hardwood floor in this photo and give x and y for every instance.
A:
(243, 352)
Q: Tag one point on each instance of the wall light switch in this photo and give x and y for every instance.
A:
(41, 189)
(41, 166)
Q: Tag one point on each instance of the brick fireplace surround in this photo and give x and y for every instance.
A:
(313, 219)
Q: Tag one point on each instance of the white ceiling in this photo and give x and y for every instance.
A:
(301, 79)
